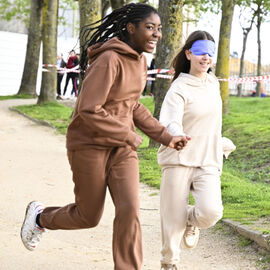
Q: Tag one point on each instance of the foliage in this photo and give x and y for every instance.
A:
(203, 6)
(18, 9)
(262, 9)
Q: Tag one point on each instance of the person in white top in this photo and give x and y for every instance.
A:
(193, 108)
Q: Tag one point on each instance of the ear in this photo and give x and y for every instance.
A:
(130, 28)
(187, 52)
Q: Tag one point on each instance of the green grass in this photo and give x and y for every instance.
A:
(52, 112)
(248, 125)
(245, 188)
(245, 178)
(24, 96)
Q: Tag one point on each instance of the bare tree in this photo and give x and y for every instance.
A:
(29, 77)
(49, 39)
(246, 26)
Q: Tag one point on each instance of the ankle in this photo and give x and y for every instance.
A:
(38, 222)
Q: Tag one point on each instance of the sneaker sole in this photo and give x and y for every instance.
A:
(26, 212)
(184, 244)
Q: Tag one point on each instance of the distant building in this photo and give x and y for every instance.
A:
(250, 69)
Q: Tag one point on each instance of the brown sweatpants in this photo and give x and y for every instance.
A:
(93, 170)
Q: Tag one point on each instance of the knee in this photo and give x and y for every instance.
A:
(208, 217)
(90, 218)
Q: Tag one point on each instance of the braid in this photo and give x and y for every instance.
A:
(112, 25)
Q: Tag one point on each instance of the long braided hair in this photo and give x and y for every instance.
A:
(112, 25)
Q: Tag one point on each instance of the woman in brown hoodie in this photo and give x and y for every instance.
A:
(101, 138)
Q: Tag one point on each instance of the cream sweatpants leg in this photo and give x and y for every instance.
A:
(176, 184)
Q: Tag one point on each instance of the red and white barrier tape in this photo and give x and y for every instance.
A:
(160, 70)
(60, 70)
(49, 65)
(247, 79)
(160, 74)
(231, 79)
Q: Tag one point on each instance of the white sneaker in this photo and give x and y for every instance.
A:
(191, 236)
(168, 267)
(30, 231)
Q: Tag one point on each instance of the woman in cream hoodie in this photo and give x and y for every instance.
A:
(192, 108)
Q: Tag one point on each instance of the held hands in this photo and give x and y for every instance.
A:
(179, 142)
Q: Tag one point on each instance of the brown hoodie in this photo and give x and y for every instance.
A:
(108, 106)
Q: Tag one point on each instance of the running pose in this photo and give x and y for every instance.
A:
(101, 138)
(192, 108)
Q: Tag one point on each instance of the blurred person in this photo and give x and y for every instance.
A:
(60, 74)
(72, 63)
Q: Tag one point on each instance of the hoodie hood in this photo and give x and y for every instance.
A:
(195, 81)
(113, 44)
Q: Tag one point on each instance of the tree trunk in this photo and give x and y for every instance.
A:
(171, 18)
(90, 12)
(259, 63)
(105, 4)
(119, 3)
(242, 64)
(242, 61)
(49, 39)
(29, 77)
(223, 59)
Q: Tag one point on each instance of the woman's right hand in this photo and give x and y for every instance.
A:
(179, 142)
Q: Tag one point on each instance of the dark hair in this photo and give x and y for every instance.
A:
(180, 62)
(113, 25)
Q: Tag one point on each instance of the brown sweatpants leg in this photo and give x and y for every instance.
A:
(94, 170)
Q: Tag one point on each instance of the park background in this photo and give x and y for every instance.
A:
(246, 176)
(13, 36)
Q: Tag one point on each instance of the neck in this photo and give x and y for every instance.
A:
(200, 75)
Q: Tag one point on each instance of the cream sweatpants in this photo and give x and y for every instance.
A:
(176, 184)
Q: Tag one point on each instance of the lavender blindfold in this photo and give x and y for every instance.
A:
(201, 47)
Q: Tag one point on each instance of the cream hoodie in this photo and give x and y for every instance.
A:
(193, 107)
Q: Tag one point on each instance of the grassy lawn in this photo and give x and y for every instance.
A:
(52, 112)
(248, 125)
(246, 174)
(24, 96)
